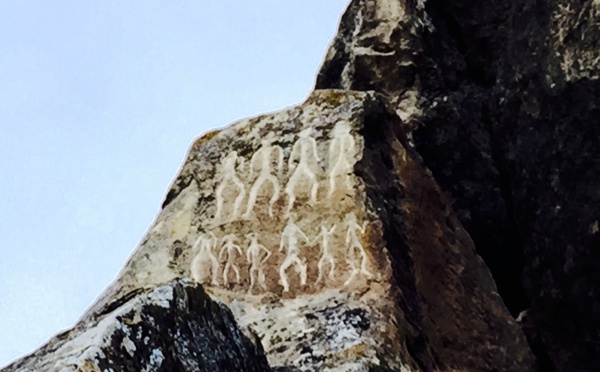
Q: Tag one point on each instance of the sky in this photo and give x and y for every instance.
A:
(99, 103)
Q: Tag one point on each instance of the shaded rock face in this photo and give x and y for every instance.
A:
(503, 111)
(173, 327)
(328, 239)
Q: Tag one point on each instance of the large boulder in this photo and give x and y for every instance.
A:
(324, 233)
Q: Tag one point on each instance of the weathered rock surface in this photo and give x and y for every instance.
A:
(322, 231)
(172, 327)
(502, 101)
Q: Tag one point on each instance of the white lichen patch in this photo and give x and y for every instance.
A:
(156, 360)
(162, 296)
(128, 346)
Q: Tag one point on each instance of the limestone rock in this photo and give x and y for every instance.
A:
(322, 231)
(172, 327)
(502, 106)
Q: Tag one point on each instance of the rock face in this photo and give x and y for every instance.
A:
(339, 232)
(503, 97)
(322, 231)
(172, 327)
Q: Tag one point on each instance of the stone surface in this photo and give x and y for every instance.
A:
(338, 251)
(503, 109)
(172, 327)
(333, 230)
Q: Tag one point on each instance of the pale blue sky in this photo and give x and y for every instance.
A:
(99, 101)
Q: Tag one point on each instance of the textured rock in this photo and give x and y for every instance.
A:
(324, 231)
(396, 285)
(503, 97)
(173, 327)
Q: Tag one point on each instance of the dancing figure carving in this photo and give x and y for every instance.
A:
(289, 239)
(303, 149)
(207, 244)
(264, 157)
(353, 244)
(326, 256)
(253, 254)
(342, 152)
(229, 247)
(230, 178)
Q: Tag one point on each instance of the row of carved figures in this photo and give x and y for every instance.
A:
(257, 255)
(342, 156)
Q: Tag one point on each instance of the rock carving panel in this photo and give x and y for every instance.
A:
(296, 245)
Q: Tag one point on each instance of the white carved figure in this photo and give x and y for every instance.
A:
(289, 239)
(228, 246)
(253, 254)
(264, 158)
(208, 245)
(342, 152)
(230, 178)
(353, 244)
(326, 256)
(303, 149)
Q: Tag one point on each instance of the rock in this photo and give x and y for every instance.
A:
(322, 231)
(172, 327)
(499, 98)
(339, 232)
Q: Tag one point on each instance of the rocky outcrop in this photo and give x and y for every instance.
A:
(502, 108)
(324, 233)
(345, 233)
(172, 327)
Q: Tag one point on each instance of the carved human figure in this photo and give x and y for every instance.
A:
(264, 157)
(228, 246)
(253, 254)
(207, 244)
(303, 149)
(354, 245)
(289, 238)
(230, 178)
(342, 152)
(326, 256)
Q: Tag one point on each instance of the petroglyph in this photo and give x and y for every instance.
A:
(353, 244)
(253, 254)
(207, 244)
(342, 153)
(264, 158)
(230, 178)
(289, 239)
(303, 149)
(326, 256)
(228, 246)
